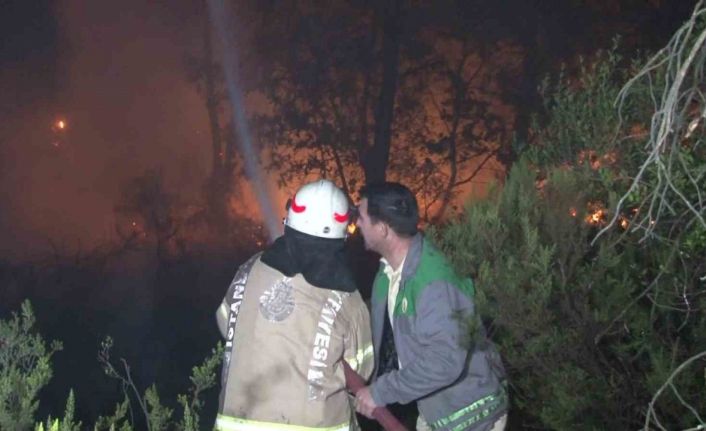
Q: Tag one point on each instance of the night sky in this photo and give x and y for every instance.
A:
(114, 71)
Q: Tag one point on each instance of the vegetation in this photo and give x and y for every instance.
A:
(598, 332)
(589, 260)
(25, 368)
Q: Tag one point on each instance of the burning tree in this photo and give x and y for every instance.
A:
(367, 91)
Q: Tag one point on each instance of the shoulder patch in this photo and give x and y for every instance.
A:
(277, 303)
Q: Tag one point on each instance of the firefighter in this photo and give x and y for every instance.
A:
(291, 315)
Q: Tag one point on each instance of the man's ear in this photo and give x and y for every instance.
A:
(384, 229)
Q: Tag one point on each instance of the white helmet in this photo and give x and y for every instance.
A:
(319, 209)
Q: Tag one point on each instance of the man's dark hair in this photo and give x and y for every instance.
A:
(393, 204)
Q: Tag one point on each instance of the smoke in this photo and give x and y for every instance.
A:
(119, 81)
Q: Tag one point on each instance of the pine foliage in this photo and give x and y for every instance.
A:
(590, 331)
(25, 368)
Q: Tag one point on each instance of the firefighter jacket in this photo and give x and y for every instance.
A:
(285, 340)
(446, 362)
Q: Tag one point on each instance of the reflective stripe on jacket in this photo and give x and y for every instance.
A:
(288, 339)
(225, 423)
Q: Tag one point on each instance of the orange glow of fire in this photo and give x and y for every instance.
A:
(351, 229)
(595, 160)
(596, 217)
(624, 223)
(597, 213)
(60, 126)
(572, 211)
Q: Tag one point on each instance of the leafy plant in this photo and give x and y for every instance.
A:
(25, 368)
(592, 332)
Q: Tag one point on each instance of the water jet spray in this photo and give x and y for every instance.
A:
(253, 170)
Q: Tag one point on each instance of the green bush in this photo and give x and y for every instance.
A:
(589, 330)
(25, 368)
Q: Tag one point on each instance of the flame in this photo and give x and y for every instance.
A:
(351, 228)
(596, 217)
(597, 213)
(624, 223)
(59, 126)
(572, 211)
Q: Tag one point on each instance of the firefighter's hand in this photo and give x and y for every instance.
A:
(365, 403)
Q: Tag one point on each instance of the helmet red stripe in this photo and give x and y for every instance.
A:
(297, 208)
(341, 218)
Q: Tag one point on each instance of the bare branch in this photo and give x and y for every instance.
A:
(681, 63)
(651, 414)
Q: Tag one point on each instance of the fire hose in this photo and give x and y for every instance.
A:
(355, 382)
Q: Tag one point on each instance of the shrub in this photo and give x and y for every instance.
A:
(589, 331)
(25, 368)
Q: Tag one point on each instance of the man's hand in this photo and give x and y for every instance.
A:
(365, 403)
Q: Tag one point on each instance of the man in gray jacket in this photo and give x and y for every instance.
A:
(430, 346)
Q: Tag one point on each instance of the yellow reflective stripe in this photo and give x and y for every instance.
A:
(222, 318)
(229, 423)
(360, 356)
(223, 311)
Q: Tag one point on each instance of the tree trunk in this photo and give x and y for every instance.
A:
(376, 158)
(460, 88)
(212, 103)
(527, 99)
(217, 185)
(341, 171)
(363, 138)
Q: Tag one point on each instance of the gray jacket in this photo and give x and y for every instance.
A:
(447, 364)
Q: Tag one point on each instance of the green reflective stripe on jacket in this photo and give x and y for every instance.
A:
(229, 423)
(473, 413)
(362, 355)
